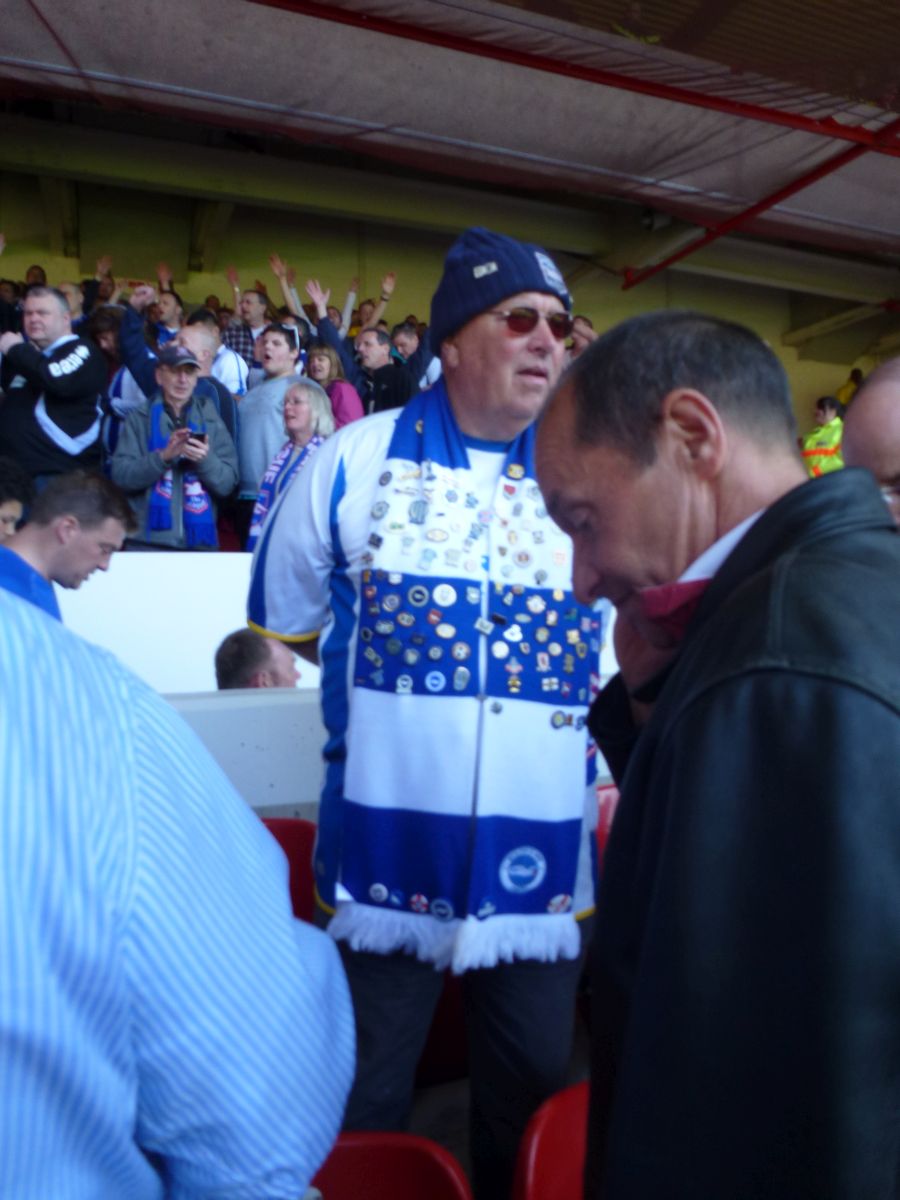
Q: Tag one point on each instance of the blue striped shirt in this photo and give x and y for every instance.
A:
(166, 1027)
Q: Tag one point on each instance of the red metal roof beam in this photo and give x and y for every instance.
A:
(714, 232)
(822, 127)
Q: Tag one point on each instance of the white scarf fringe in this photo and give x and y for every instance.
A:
(466, 945)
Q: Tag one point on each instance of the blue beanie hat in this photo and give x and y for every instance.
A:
(481, 269)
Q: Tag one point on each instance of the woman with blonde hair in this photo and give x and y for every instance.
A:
(308, 421)
(324, 366)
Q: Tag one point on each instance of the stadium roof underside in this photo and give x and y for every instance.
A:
(756, 139)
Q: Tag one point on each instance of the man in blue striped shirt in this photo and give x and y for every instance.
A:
(166, 1027)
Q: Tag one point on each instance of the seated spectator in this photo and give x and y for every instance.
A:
(16, 491)
(308, 421)
(176, 458)
(35, 276)
(822, 445)
(73, 529)
(248, 660)
(51, 416)
(324, 366)
(168, 1028)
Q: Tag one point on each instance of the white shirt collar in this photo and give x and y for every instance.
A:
(713, 556)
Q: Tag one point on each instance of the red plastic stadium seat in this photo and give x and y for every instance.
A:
(445, 1057)
(390, 1166)
(297, 839)
(551, 1157)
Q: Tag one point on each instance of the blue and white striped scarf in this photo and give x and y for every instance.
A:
(280, 474)
(471, 674)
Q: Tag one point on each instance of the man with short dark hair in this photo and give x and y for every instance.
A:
(407, 344)
(171, 314)
(381, 382)
(176, 459)
(262, 416)
(242, 335)
(73, 529)
(50, 418)
(457, 816)
(385, 384)
(822, 445)
(747, 951)
(246, 659)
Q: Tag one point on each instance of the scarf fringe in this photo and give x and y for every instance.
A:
(460, 945)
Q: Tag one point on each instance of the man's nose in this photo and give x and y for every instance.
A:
(586, 579)
(541, 337)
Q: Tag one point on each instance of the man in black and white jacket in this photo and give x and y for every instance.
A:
(50, 415)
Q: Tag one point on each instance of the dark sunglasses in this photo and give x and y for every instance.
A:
(523, 320)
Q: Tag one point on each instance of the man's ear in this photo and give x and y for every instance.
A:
(261, 679)
(449, 353)
(65, 528)
(693, 422)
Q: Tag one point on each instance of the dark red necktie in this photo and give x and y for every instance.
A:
(672, 605)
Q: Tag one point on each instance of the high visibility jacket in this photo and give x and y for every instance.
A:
(822, 448)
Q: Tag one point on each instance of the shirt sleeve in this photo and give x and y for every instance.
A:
(83, 370)
(242, 1023)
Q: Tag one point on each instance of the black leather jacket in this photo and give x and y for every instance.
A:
(747, 951)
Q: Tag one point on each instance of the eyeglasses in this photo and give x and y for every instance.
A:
(523, 320)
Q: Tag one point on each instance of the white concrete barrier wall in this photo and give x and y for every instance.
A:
(163, 615)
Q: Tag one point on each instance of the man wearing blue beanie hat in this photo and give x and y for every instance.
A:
(483, 268)
(456, 826)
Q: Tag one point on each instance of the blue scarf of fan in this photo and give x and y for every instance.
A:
(279, 476)
(198, 516)
(455, 844)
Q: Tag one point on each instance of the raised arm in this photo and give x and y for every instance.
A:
(388, 283)
(235, 284)
(347, 310)
(164, 275)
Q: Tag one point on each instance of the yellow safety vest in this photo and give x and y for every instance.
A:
(822, 448)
